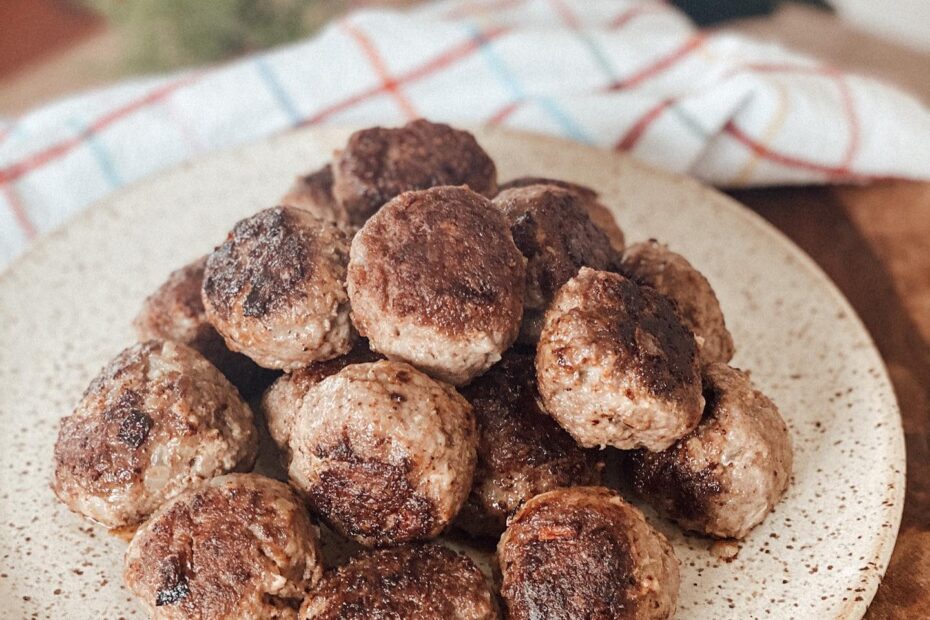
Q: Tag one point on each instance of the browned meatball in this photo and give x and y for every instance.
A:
(585, 553)
(380, 163)
(725, 476)
(553, 231)
(314, 193)
(282, 402)
(598, 213)
(276, 289)
(412, 582)
(615, 365)
(240, 547)
(175, 312)
(158, 419)
(383, 453)
(436, 281)
(521, 451)
(653, 264)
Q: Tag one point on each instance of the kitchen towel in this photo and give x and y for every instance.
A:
(619, 74)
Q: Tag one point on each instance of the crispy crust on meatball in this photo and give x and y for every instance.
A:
(314, 193)
(283, 400)
(158, 419)
(725, 476)
(521, 451)
(275, 289)
(615, 366)
(383, 453)
(175, 312)
(652, 264)
(239, 547)
(551, 228)
(585, 553)
(599, 214)
(436, 280)
(380, 163)
(412, 582)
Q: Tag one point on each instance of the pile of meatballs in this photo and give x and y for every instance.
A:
(430, 351)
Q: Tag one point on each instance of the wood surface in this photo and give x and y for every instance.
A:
(33, 30)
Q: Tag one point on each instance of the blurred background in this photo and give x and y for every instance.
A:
(49, 48)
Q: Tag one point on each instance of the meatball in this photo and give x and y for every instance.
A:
(599, 214)
(275, 289)
(175, 312)
(240, 547)
(436, 281)
(314, 193)
(585, 553)
(553, 231)
(380, 163)
(384, 454)
(653, 264)
(283, 400)
(521, 451)
(725, 476)
(157, 420)
(615, 365)
(412, 582)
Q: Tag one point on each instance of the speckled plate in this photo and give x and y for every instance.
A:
(66, 307)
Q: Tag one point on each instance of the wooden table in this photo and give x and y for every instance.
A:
(873, 241)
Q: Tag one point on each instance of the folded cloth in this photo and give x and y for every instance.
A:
(619, 74)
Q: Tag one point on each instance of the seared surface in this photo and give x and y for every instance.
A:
(551, 228)
(615, 365)
(240, 547)
(175, 312)
(314, 193)
(436, 280)
(158, 419)
(383, 453)
(585, 553)
(522, 452)
(412, 582)
(282, 402)
(725, 476)
(652, 264)
(275, 289)
(598, 213)
(380, 163)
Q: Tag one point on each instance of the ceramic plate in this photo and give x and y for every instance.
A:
(66, 308)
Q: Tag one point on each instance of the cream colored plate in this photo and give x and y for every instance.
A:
(65, 309)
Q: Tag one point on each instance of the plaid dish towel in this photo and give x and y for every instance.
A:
(619, 74)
